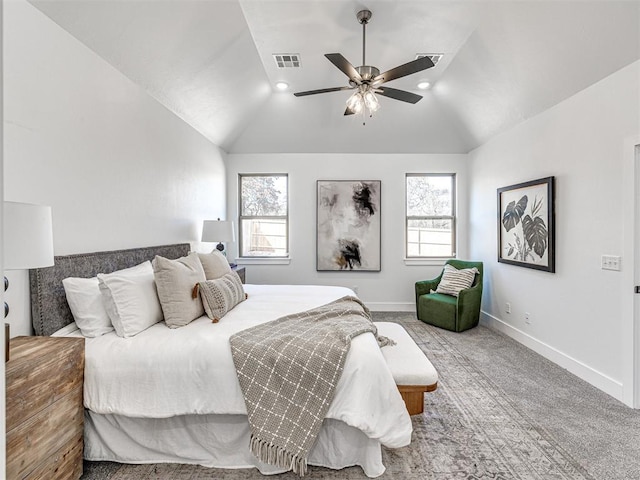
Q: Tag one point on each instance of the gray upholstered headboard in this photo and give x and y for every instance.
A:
(49, 309)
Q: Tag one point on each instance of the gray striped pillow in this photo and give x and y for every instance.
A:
(221, 295)
(454, 280)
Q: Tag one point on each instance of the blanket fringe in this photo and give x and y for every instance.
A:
(385, 341)
(274, 455)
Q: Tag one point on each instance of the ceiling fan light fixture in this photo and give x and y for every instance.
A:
(355, 102)
(371, 101)
(423, 85)
(363, 101)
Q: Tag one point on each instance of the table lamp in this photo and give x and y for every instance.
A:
(218, 231)
(27, 243)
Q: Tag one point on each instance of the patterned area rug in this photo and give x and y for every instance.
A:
(469, 430)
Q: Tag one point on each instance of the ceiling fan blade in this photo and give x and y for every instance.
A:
(403, 70)
(345, 67)
(398, 94)
(322, 90)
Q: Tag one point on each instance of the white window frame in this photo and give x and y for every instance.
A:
(276, 259)
(423, 259)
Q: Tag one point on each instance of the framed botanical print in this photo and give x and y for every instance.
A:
(526, 224)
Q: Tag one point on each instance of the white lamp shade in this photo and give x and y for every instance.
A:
(218, 231)
(28, 236)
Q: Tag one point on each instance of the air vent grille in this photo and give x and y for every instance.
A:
(435, 57)
(287, 60)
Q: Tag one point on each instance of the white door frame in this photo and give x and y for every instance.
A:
(631, 272)
(3, 439)
(636, 272)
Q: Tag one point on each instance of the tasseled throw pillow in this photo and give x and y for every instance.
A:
(221, 295)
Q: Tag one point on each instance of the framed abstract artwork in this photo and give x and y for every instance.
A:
(526, 224)
(348, 225)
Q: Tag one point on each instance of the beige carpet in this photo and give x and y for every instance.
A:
(470, 430)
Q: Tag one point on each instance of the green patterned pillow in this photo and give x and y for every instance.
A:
(221, 295)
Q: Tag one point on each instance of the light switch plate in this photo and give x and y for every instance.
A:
(611, 262)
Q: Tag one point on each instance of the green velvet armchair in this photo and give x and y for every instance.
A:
(446, 311)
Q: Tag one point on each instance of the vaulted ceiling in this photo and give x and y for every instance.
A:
(211, 63)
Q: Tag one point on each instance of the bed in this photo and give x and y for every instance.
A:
(181, 402)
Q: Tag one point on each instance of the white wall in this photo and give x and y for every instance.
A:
(393, 287)
(578, 315)
(118, 169)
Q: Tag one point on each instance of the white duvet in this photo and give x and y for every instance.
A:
(165, 372)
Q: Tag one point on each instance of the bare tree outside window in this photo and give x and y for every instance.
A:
(264, 221)
(430, 221)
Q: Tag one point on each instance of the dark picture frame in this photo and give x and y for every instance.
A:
(526, 224)
(348, 225)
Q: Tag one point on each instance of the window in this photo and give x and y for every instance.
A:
(264, 215)
(431, 221)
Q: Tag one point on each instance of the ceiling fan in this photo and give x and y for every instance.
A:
(367, 80)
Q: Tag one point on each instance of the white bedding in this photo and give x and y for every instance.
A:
(220, 441)
(162, 372)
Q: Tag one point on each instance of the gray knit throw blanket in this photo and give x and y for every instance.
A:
(288, 371)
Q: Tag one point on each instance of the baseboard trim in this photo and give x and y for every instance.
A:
(391, 306)
(581, 370)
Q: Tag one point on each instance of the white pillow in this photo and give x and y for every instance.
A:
(85, 301)
(68, 331)
(454, 280)
(130, 298)
(175, 281)
(215, 264)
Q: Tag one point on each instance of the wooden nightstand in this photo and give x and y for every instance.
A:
(45, 413)
(240, 271)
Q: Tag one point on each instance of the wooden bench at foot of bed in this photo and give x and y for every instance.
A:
(411, 369)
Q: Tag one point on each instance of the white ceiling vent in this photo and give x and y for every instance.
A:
(287, 60)
(435, 57)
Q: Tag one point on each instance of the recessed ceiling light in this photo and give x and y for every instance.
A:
(424, 85)
(282, 86)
